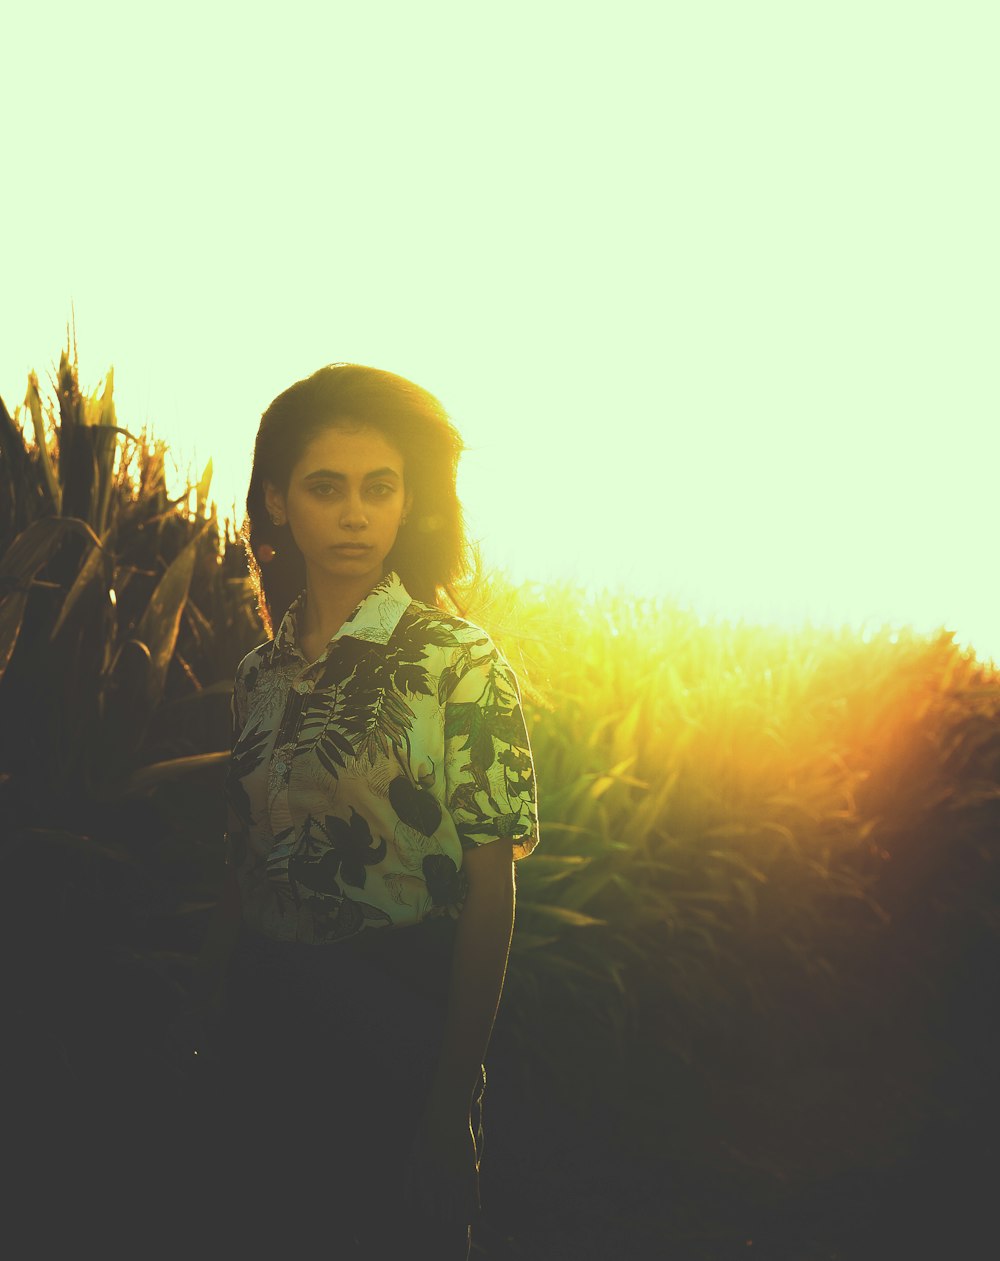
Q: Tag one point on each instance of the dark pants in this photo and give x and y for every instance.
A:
(321, 1070)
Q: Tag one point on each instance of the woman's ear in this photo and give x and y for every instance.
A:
(274, 501)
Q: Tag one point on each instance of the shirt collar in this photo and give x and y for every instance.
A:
(374, 619)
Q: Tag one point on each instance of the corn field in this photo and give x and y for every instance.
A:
(748, 836)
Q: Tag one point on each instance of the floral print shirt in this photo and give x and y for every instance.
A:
(357, 781)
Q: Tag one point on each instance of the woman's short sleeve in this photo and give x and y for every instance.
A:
(489, 770)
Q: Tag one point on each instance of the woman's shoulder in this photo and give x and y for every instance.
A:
(254, 659)
(446, 630)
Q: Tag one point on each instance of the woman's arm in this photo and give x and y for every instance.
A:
(482, 945)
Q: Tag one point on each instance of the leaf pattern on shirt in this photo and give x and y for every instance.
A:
(372, 716)
(400, 886)
(376, 778)
(402, 745)
(353, 848)
(405, 658)
(387, 727)
(411, 845)
(456, 670)
(441, 876)
(318, 708)
(504, 778)
(319, 875)
(264, 688)
(415, 806)
(247, 755)
(333, 750)
(334, 921)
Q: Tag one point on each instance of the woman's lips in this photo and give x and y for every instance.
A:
(352, 547)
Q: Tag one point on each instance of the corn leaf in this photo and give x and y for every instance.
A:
(161, 620)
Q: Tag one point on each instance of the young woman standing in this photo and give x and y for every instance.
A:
(380, 789)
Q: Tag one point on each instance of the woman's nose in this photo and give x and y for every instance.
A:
(354, 512)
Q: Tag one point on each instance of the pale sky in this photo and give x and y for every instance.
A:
(711, 290)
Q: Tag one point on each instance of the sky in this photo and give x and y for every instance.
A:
(710, 291)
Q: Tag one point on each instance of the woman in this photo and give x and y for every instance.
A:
(380, 789)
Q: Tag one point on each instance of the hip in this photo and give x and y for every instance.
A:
(382, 996)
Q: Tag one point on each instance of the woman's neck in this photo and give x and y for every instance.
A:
(328, 606)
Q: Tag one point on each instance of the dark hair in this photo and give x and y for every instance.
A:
(431, 552)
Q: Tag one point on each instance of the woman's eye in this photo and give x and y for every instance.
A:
(380, 490)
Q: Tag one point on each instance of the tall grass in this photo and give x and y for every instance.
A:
(742, 828)
(724, 808)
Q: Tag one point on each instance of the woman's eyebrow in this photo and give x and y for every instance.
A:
(335, 476)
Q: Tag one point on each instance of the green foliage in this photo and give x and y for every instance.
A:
(744, 833)
(120, 627)
(740, 815)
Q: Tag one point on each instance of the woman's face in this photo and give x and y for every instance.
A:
(346, 489)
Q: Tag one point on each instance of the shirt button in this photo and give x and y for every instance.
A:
(303, 687)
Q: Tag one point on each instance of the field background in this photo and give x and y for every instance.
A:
(751, 1006)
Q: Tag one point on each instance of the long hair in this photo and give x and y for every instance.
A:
(431, 553)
